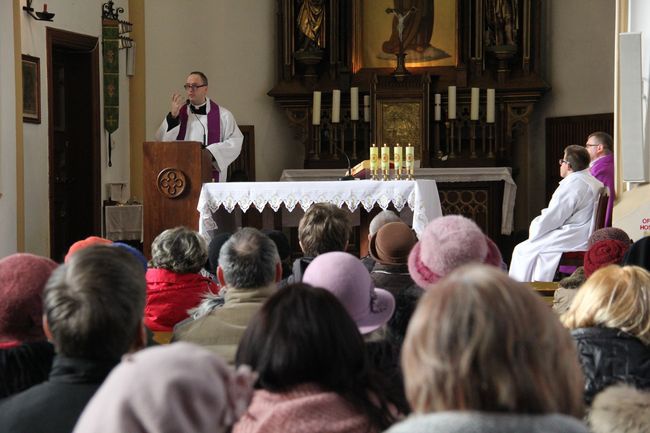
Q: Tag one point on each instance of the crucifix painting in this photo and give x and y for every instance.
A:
(425, 28)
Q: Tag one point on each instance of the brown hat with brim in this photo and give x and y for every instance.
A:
(392, 244)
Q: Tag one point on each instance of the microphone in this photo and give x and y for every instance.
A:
(348, 175)
(193, 110)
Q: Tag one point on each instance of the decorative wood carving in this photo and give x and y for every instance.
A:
(171, 182)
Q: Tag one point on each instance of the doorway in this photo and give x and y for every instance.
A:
(74, 139)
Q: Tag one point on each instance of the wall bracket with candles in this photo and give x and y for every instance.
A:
(43, 15)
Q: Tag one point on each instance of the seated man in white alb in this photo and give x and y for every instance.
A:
(565, 225)
(200, 119)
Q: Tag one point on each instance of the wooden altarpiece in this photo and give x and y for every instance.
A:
(475, 43)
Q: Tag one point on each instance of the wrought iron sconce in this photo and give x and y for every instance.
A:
(38, 16)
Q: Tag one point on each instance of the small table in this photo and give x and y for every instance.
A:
(123, 222)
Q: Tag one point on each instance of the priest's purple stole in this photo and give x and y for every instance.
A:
(214, 123)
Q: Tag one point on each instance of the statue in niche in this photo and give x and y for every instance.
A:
(501, 23)
(311, 19)
(412, 29)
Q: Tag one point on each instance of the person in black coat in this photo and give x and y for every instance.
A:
(610, 322)
(93, 307)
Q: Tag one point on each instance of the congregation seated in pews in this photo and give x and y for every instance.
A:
(425, 334)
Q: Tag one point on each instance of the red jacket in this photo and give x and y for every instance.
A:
(170, 295)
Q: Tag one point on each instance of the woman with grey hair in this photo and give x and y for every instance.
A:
(174, 282)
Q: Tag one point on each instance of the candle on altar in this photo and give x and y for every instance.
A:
(336, 106)
(374, 158)
(409, 161)
(489, 113)
(437, 114)
(315, 116)
(354, 103)
(44, 7)
(451, 102)
(437, 98)
(473, 112)
(366, 108)
(385, 158)
(397, 159)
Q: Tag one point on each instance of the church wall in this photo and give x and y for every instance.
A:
(233, 42)
(578, 61)
(8, 133)
(80, 16)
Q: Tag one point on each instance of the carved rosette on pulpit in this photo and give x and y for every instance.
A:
(171, 182)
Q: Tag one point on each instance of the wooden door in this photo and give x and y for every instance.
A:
(74, 145)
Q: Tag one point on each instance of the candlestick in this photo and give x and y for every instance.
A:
(473, 112)
(354, 103)
(410, 160)
(385, 161)
(397, 161)
(489, 112)
(366, 108)
(336, 106)
(315, 111)
(451, 102)
(374, 160)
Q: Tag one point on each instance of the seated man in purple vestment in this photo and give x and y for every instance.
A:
(198, 118)
(600, 148)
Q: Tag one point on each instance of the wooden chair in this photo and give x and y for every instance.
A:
(576, 258)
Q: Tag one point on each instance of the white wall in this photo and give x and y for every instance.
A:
(233, 43)
(79, 16)
(8, 217)
(578, 54)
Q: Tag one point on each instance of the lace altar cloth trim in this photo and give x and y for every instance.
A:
(419, 195)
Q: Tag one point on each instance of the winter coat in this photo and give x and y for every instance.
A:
(170, 295)
(610, 356)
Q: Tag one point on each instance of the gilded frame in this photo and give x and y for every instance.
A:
(367, 38)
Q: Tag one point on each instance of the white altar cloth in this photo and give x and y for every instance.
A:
(420, 195)
(441, 175)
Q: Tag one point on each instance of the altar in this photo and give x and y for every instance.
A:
(483, 194)
(362, 197)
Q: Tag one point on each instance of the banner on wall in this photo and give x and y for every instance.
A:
(111, 70)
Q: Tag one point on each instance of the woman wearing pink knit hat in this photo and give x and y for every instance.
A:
(447, 243)
(25, 355)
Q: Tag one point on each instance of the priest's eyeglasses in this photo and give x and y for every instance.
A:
(563, 161)
(193, 86)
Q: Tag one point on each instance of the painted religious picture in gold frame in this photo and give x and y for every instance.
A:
(428, 30)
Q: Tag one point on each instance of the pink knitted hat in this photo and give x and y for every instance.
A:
(348, 279)
(178, 387)
(22, 279)
(447, 243)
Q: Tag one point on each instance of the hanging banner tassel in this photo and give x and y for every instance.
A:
(110, 150)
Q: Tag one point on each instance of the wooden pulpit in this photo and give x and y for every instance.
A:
(173, 174)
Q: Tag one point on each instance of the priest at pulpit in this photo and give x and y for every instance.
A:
(198, 118)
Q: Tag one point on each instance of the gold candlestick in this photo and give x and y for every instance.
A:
(397, 161)
(385, 161)
(410, 161)
(374, 161)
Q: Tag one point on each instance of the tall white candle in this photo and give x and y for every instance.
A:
(336, 106)
(437, 112)
(354, 103)
(437, 98)
(315, 116)
(451, 102)
(366, 108)
(489, 113)
(473, 112)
